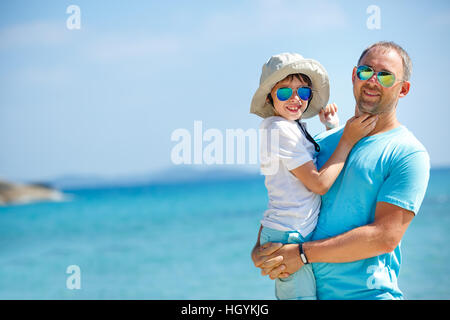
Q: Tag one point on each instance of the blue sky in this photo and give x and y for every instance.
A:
(104, 99)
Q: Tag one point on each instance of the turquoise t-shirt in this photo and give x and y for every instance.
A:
(391, 167)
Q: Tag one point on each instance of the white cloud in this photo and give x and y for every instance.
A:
(32, 34)
(45, 77)
(119, 47)
(96, 45)
(267, 18)
(254, 19)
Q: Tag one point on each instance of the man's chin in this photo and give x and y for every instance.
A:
(367, 109)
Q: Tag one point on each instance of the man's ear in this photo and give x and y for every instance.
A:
(404, 89)
(353, 75)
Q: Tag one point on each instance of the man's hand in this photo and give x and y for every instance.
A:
(329, 117)
(277, 260)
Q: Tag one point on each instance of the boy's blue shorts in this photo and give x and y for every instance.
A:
(300, 285)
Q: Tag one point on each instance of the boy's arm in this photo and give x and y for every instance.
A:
(321, 181)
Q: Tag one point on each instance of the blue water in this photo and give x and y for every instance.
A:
(185, 241)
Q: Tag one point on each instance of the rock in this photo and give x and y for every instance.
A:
(15, 193)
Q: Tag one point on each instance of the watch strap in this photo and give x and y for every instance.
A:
(302, 254)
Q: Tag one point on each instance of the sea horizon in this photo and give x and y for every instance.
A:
(190, 174)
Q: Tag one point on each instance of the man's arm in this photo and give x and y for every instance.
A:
(381, 236)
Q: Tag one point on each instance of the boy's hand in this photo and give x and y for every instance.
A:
(328, 116)
(358, 127)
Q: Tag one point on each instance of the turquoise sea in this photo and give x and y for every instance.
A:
(180, 241)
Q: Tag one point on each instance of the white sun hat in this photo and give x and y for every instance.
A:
(279, 67)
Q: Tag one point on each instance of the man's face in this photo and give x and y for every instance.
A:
(371, 97)
(292, 108)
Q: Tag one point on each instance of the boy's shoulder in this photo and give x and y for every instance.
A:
(280, 123)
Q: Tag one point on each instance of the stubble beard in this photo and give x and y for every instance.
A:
(380, 107)
(363, 107)
(366, 107)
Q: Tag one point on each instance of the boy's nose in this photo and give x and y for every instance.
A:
(295, 96)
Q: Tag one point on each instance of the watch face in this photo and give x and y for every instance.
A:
(303, 258)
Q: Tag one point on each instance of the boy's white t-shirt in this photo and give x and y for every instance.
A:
(292, 207)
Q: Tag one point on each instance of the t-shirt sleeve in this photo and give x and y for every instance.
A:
(407, 182)
(290, 147)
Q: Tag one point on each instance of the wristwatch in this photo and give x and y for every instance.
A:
(302, 254)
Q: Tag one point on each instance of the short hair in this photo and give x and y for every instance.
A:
(390, 45)
(299, 76)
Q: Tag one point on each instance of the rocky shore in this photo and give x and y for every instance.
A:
(16, 193)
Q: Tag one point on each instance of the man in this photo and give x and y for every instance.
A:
(355, 251)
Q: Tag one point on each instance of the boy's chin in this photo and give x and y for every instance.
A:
(294, 117)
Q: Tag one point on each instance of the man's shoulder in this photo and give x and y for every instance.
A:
(408, 140)
(404, 146)
(328, 135)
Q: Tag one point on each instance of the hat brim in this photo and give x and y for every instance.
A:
(320, 85)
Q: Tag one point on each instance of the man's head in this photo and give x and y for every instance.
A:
(372, 94)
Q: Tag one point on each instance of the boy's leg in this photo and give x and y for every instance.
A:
(300, 285)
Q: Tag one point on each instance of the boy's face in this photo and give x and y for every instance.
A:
(292, 108)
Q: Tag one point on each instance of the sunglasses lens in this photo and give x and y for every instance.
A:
(284, 93)
(304, 93)
(386, 79)
(364, 72)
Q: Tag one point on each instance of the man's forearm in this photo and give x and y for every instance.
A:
(379, 237)
(360, 243)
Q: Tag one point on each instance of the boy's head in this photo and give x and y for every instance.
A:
(290, 96)
(297, 78)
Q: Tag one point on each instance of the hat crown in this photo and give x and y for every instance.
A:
(278, 62)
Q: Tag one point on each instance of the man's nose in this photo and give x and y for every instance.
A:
(373, 78)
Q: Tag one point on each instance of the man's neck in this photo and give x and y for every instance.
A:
(385, 122)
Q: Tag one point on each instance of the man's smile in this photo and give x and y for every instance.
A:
(371, 93)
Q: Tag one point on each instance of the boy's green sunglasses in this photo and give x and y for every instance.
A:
(385, 78)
